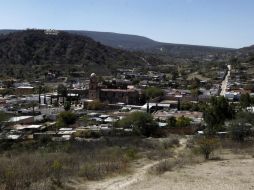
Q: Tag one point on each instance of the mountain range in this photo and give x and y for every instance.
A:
(143, 44)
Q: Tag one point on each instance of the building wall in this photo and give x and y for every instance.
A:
(24, 91)
(115, 96)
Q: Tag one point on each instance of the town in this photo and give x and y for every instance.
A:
(126, 95)
(97, 103)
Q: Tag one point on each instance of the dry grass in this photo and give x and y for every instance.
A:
(162, 167)
(49, 167)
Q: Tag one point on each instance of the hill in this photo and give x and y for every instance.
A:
(140, 43)
(247, 50)
(40, 51)
(123, 41)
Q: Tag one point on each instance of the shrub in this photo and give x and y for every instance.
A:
(88, 134)
(66, 118)
(206, 146)
(169, 143)
(153, 92)
(163, 166)
(95, 105)
(131, 153)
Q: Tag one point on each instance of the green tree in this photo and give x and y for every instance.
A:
(195, 83)
(171, 122)
(183, 121)
(6, 91)
(153, 92)
(245, 100)
(195, 92)
(67, 106)
(66, 118)
(216, 113)
(142, 123)
(62, 90)
(33, 104)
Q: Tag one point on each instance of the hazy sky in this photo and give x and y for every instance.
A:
(227, 23)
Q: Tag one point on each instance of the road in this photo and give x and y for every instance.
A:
(224, 83)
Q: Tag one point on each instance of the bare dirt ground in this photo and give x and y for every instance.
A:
(232, 172)
(236, 174)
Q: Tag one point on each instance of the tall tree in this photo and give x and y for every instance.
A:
(142, 123)
(217, 112)
(245, 100)
(62, 90)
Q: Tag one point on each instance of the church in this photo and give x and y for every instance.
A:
(112, 96)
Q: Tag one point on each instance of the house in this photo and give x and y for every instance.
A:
(23, 90)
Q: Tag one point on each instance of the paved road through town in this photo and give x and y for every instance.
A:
(224, 83)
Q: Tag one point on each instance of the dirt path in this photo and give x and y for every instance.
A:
(123, 182)
(233, 172)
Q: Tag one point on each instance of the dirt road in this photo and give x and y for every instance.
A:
(231, 173)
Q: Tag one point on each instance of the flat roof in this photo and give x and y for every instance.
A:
(19, 118)
(118, 90)
(155, 104)
(26, 87)
(21, 127)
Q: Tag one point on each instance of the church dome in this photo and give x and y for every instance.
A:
(93, 75)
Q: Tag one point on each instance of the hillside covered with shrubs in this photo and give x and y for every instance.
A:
(34, 50)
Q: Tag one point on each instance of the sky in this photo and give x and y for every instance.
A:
(223, 23)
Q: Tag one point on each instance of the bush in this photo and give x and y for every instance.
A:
(95, 105)
(169, 143)
(131, 153)
(163, 166)
(206, 146)
(88, 134)
(153, 92)
(66, 118)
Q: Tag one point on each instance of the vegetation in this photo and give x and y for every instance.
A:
(216, 113)
(179, 122)
(65, 118)
(95, 105)
(141, 123)
(49, 165)
(240, 127)
(62, 90)
(3, 117)
(246, 100)
(153, 92)
(206, 146)
(67, 106)
(6, 91)
(32, 53)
